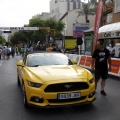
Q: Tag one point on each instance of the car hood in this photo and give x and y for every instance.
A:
(48, 73)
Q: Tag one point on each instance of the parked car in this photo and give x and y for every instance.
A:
(50, 79)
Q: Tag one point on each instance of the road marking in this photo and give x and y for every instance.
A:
(1, 62)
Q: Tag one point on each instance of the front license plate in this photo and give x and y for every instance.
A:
(68, 96)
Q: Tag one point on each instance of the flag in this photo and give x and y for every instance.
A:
(97, 22)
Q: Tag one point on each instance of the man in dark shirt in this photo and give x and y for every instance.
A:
(55, 48)
(101, 59)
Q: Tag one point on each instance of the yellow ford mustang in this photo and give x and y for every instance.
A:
(51, 79)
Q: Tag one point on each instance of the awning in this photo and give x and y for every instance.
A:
(109, 31)
(89, 30)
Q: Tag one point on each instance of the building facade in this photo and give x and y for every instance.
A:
(111, 14)
(116, 11)
(67, 11)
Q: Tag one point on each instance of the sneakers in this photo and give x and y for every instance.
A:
(103, 92)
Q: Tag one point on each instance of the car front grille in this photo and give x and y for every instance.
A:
(65, 87)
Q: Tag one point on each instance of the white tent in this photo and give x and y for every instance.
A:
(109, 31)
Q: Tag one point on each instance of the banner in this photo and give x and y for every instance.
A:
(82, 60)
(97, 22)
(79, 28)
(88, 61)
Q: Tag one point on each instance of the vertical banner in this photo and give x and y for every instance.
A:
(97, 22)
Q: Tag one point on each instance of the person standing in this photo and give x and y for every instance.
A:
(12, 52)
(112, 52)
(0, 52)
(3, 53)
(22, 51)
(54, 47)
(16, 50)
(102, 61)
(57, 48)
(8, 53)
(31, 49)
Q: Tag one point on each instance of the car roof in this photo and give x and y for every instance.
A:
(34, 52)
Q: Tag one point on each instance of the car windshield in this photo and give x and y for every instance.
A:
(48, 59)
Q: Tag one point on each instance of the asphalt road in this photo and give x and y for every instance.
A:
(11, 101)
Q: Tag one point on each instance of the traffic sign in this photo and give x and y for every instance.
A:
(19, 28)
(16, 28)
(31, 28)
(4, 28)
(25, 28)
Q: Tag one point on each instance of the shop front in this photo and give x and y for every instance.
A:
(111, 34)
(88, 40)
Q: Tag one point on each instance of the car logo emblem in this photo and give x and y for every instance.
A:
(68, 86)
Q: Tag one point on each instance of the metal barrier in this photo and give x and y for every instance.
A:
(85, 61)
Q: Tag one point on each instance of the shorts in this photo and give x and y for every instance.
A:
(101, 73)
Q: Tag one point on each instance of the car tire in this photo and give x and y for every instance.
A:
(18, 80)
(24, 97)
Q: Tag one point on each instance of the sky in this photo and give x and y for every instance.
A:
(16, 13)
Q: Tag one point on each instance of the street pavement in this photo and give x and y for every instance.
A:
(11, 100)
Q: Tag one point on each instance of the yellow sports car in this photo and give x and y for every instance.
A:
(50, 79)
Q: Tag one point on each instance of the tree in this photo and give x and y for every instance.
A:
(38, 35)
(2, 40)
(55, 26)
(95, 3)
(18, 37)
(58, 26)
(87, 9)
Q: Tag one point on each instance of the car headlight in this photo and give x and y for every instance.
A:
(91, 81)
(33, 84)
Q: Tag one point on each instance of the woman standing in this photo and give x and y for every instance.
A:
(12, 52)
(0, 53)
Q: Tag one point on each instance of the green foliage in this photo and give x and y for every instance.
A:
(36, 22)
(2, 40)
(86, 9)
(51, 23)
(39, 35)
(60, 26)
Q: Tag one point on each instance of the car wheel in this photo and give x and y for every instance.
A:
(18, 80)
(24, 96)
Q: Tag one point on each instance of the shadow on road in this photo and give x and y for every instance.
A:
(61, 110)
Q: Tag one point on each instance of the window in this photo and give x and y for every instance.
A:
(48, 59)
(88, 45)
(117, 6)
